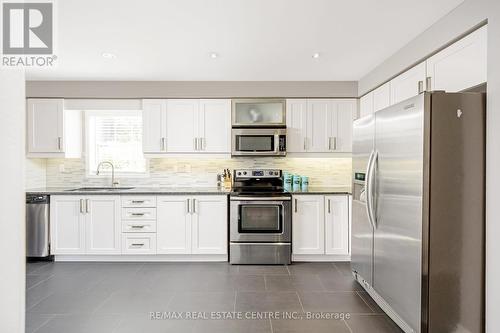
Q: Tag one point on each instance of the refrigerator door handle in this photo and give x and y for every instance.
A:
(369, 189)
(373, 188)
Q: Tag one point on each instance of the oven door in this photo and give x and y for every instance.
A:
(260, 220)
(258, 142)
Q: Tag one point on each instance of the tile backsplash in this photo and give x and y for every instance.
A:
(185, 172)
(35, 172)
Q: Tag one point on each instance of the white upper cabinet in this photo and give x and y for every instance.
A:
(409, 84)
(296, 125)
(214, 126)
(181, 125)
(382, 97)
(460, 66)
(320, 125)
(52, 131)
(308, 224)
(209, 224)
(366, 105)
(186, 126)
(317, 134)
(154, 125)
(337, 224)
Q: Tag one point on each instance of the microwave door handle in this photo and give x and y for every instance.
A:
(276, 143)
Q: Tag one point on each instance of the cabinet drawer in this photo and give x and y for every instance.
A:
(138, 243)
(139, 213)
(138, 201)
(138, 226)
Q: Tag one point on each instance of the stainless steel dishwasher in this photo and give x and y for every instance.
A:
(37, 226)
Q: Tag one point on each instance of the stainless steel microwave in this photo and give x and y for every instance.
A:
(258, 142)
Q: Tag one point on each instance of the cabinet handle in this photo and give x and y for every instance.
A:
(203, 143)
(187, 205)
(163, 144)
(330, 143)
(137, 226)
(194, 206)
(295, 201)
(137, 214)
(138, 201)
(195, 143)
(428, 83)
(305, 144)
(334, 143)
(81, 206)
(420, 87)
(87, 206)
(329, 207)
(137, 244)
(59, 143)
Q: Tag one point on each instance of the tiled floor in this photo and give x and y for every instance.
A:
(118, 297)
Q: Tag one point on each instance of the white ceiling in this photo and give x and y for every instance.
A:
(256, 39)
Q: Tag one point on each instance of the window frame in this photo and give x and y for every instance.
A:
(105, 173)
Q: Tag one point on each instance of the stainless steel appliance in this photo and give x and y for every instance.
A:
(258, 142)
(260, 218)
(37, 226)
(418, 211)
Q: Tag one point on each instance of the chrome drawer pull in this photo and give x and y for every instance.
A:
(138, 201)
(137, 214)
(137, 226)
(137, 244)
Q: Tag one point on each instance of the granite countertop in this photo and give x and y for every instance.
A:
(132, 191)
(325, 190)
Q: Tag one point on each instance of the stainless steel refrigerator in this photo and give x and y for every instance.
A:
(418, 211)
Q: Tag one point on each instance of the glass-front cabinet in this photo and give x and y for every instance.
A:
(258, 113)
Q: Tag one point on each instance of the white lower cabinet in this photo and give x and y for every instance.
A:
(308, 224)
(320, 227)
(192, 224)
(85, 224)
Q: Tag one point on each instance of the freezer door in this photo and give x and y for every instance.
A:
(362, 230)
(398, 189)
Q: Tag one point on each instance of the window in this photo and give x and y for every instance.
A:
(115, 136)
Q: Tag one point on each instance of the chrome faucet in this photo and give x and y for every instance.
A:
(113, 182)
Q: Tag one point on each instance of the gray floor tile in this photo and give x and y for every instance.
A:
(262, 270)
(34, 321)
(301, 268)
(232, 326)
(32, 279)
(312, 326)
(80, 324)
(36, 294)
(268, 301)
(76, 302)
(373, 324)
(201, 302)
(232, 283)
(64, 268)
(344, 268)
(371, 303)
(339, 282)
(347, 302)
(143, 323)
(33, 267)
(140, 302)
(308, 282)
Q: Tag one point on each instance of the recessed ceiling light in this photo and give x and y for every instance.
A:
(315, 55)
(214, 55)
(108, 55)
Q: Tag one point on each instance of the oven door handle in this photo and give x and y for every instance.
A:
(260, 199)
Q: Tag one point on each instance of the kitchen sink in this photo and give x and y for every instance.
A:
(99, 189)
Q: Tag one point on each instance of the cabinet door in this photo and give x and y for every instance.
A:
(173, 225)
(308, 224)
(214, 126)
(408, 84)
(318, 111)
(341, 140)
(67, 224)
(103, 224)
(336, 224)
(209, 223)
(296, 122)
(181, 125)
(366, 105)
(460, 66)
(154, 124)
(45, 133)
(382, 97)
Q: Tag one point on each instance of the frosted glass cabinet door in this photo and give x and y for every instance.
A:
(258, 112)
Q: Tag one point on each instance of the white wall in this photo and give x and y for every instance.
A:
(12, 199)
(466, 16)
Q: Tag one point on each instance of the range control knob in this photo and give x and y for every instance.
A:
(244, 172)
(276, 173)
(239, 173)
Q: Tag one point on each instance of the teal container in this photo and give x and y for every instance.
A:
(296, 183)
(304, 184)
(287, 181)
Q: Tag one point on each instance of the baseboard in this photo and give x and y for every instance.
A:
(145, 258)
(320, 257)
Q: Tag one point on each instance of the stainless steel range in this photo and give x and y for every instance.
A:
(260, 218)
